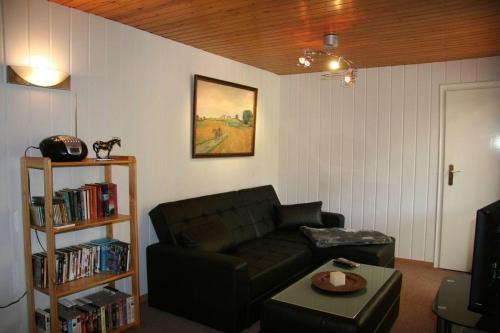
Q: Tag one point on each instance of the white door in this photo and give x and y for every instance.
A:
(470, 166)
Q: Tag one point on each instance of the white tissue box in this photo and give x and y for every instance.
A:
(337, 279)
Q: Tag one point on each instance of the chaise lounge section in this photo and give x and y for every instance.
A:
(219, 256)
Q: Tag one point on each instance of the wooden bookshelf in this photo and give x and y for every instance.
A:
(56, 291)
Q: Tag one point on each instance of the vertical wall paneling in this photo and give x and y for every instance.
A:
(421, 160)
(136, 86)
(408, 175)
(453, 74)
(302, 137)
(324, 143)
(383, 152)
(396, 153)
(371, 153)
(15, 14)
(336, 148)
(6, 315)
(347, 151)
(314, 137)
(488, 69)
(359, 151)
(294, 141)
(61, 111)
(468, 70)
(378, 146)
(284, 113)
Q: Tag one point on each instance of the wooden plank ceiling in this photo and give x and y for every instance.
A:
(271, 34)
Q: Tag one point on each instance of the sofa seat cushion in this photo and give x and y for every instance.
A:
(271, 262)
(379, 255)
(294, 236)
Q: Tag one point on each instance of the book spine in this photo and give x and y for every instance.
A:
(87, 204)
(94, 193)
(67, 205)
(105, 199)
(99, 201)
(74, 200)
(103, 319)
(113, 199)
(132, 309)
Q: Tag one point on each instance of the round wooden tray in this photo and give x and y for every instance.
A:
(353, 282)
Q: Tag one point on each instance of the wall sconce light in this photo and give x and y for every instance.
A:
(38, 77)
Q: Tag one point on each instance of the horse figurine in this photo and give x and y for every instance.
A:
(105, 146)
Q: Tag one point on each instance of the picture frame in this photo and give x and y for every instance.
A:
(224, 118)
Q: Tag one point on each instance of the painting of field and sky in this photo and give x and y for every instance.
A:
(223, 118)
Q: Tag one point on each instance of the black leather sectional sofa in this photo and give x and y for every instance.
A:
(220, 256)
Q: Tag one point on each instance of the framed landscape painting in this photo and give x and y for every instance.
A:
(224, 115)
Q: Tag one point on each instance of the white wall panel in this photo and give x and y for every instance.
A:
(421, 160)
(347, 143)
(371, 153)
(377, 144)
(488, 69)
(396, 153)
(409, 152)
(137, 86)
(383, 142)
(302, 137)
(336, 149)
(323, 144)
(284, 135)
(453, 74)
(359, 151)
(314, 136)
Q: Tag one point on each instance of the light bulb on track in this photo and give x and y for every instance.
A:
(334, 65)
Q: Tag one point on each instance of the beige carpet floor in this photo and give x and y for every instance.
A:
(420, 284)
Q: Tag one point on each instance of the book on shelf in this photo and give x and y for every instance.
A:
(83, 260)
(42, 321)
(86, 203)
(99, 312)
(59, 214)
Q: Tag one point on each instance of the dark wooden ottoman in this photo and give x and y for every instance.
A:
(300, 309)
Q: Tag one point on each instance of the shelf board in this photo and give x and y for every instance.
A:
(86, 224)
(75, 286)
(38, 162)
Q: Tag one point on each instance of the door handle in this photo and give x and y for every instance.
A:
(451, 172)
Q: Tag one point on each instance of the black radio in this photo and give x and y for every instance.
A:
(63, 148)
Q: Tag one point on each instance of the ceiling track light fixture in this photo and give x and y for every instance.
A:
(338, 67)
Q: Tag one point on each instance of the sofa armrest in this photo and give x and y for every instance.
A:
(331, 220)
(208, 287)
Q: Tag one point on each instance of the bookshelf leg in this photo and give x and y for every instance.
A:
(134, 237)
(108, 177)
(30, 300)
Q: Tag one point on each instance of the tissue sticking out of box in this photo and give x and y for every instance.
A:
(337, 279)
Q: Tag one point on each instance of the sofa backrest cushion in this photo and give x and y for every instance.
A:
(209, 234)
(246, 214)
(171, 218)
(260, 202)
